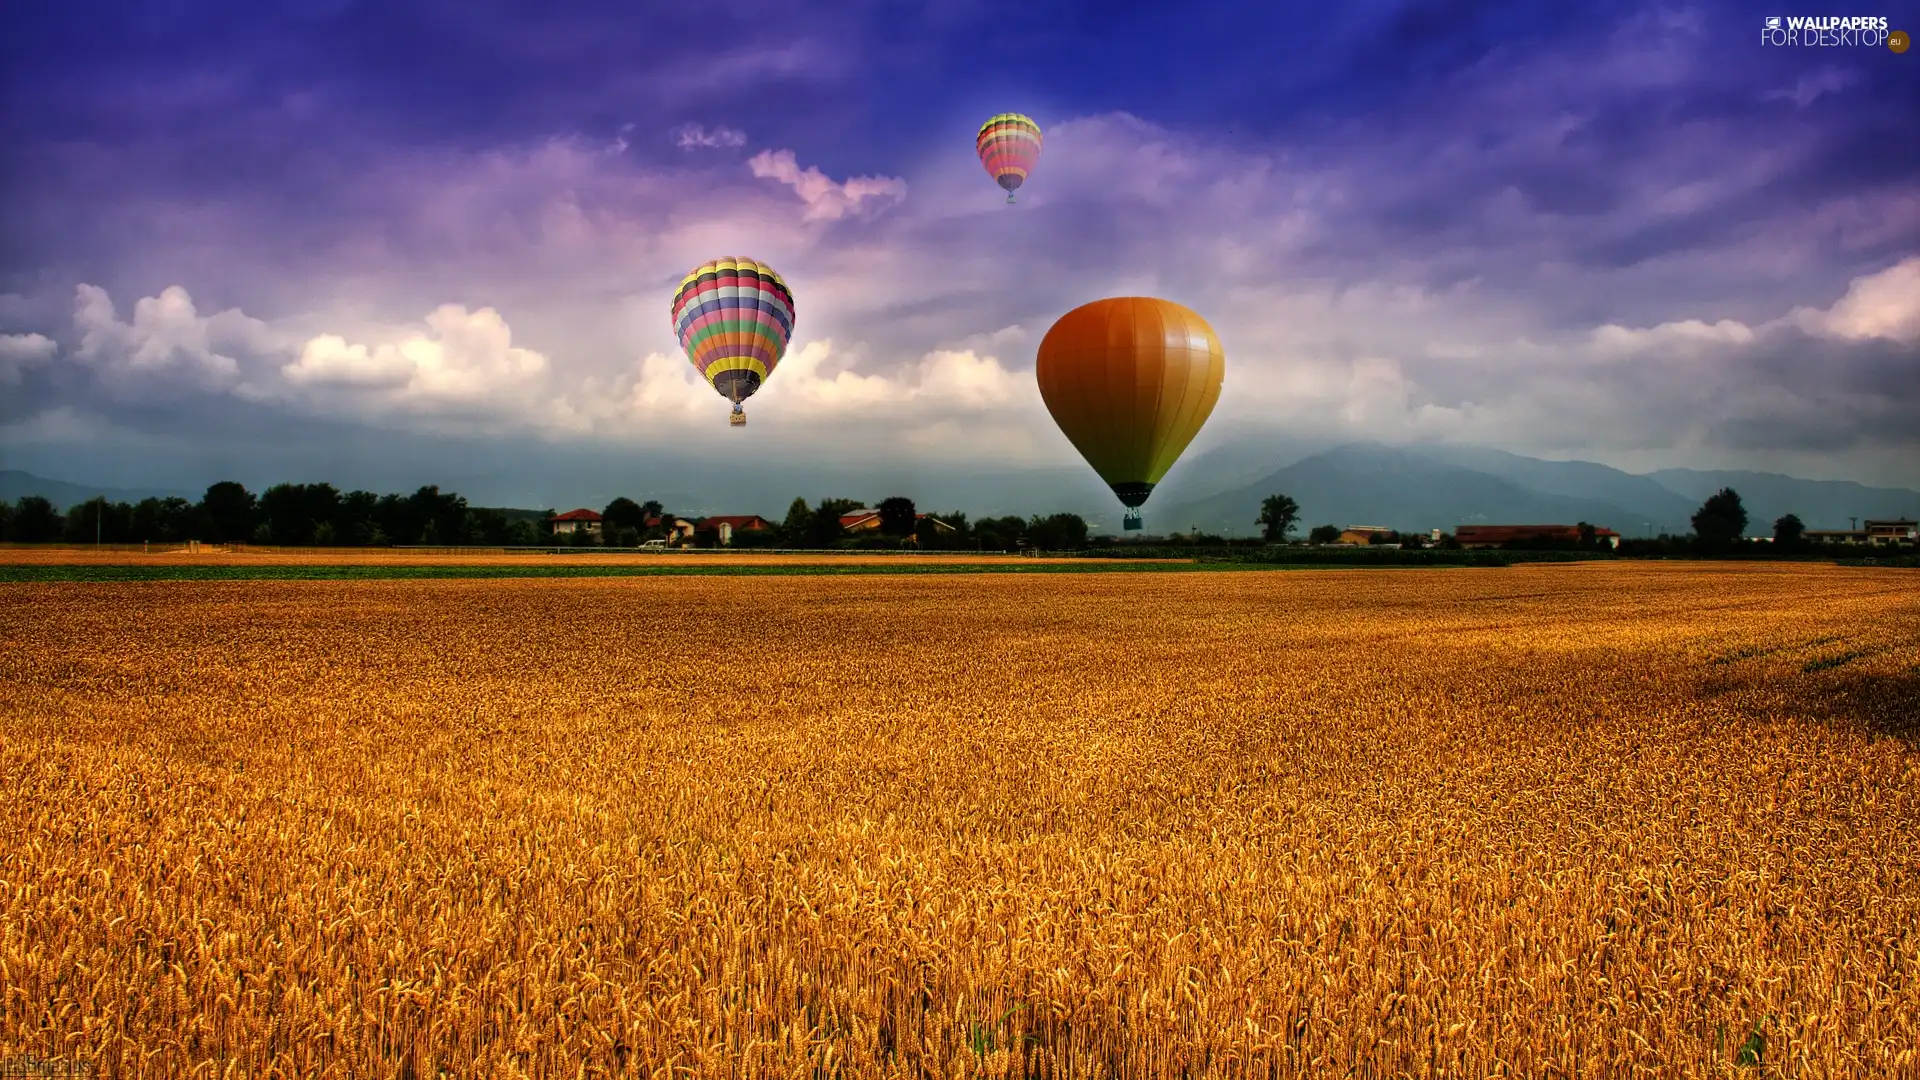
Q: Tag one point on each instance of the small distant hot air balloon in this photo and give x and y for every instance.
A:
(1130, 381)
(1009, 145)
(734, 317)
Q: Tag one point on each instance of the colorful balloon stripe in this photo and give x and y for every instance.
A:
(1009, 146)
(734, 317)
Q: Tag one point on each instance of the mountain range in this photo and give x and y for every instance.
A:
(14, 484)
(1412, 488)
(1417, 488)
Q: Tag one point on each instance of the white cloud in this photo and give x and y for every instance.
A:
(462, 357)
(1814, 85)
(825, 199)
(168, 347)
(1620, 339)
(696, 137)
(819, 383)
(1883, 305)
(18, 352)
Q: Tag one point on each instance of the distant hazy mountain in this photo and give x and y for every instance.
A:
(1642, 496)
(15, 484)
(1428, 487)
(1369, 484)
(1820, 504)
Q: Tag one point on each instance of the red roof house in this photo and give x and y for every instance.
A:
(577, 521)
(866, 520)
(1487, 536)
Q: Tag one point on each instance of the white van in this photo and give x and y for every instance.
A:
(654, 544)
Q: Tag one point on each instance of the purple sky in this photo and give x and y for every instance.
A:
(418, 230)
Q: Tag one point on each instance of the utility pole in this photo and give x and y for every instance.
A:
(99, 511)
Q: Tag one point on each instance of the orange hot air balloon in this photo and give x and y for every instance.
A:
(1130, 381)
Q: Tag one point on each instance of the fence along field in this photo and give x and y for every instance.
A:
(1552, 821)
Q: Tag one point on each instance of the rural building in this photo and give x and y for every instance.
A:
(1363, 534)
(1488, 536)
(576, 521)
(722, 527)
(869, 521)
(678, 528)
(1898, 530)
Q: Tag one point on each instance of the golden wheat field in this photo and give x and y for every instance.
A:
(1595, 820)
(173, 555)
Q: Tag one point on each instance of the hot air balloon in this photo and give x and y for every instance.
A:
(1009, 144)
(1130, 381)
(733, 317)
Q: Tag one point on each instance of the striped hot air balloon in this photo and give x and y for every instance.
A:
(1130, 381)
(734, 317)
(1009, 145)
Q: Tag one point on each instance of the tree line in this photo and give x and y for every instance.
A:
(320, 515)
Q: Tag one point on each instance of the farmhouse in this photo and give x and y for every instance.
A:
(1896, 531)
(576, 521)
(678, 528)
(1488, 536)
(722, 527)
(869, 521)
(1363, 534)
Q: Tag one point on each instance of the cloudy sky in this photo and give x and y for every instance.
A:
(376, 241)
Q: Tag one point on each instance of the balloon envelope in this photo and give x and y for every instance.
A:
(734, 317)
(1130, 381)
(1009, 145)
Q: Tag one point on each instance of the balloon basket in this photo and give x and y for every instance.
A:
(1131, 522)
(737, 419)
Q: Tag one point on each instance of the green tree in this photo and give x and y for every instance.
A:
(1000, 534)
(523, 533)
(929, 536)
(296, 511)
(1721, 520)
(623, 513)
(98, 519)
(799, 522)
(394, 517)
(444, 514)
(486, 525)
(1057, 532)
(897, 516)
(1278, 513)
(824, 529)
(229, 512)
(1788, 531)
(1589, 536)
(166, 521)
(35, 521)
(756, 538)
(358, 519)
(1324, 534)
